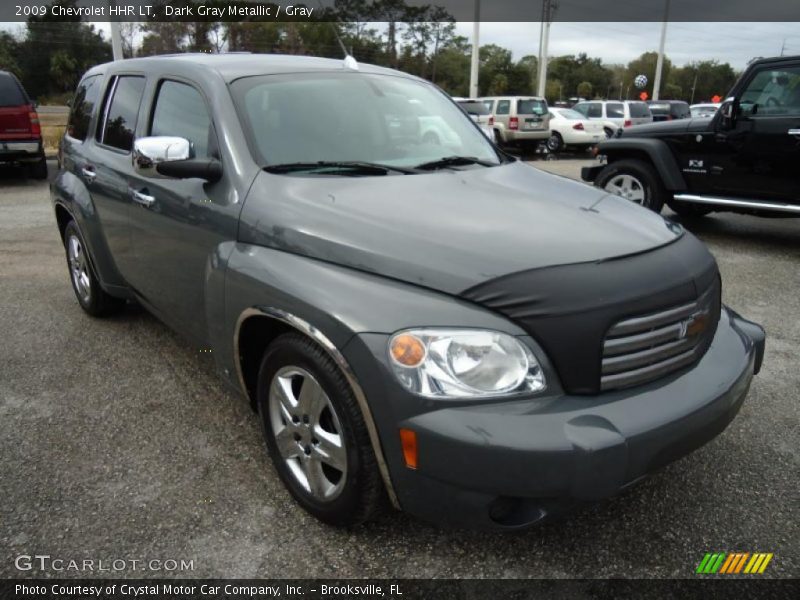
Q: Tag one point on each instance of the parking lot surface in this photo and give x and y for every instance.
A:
(118, 441)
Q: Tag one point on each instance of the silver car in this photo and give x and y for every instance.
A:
(623, 113)
(519, 118)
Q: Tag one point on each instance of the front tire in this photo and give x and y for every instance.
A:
(634, 180)
(93, 299)
(315, 433)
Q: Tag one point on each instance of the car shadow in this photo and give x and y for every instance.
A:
(743, 231)
(14, 175)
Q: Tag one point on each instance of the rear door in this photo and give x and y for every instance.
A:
(176, 235)
(106, 167)
(502, 113)
(532, 114)
(15, 108)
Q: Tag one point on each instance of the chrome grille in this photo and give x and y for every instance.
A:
(647, 347)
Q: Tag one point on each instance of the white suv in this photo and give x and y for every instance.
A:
(622, 113)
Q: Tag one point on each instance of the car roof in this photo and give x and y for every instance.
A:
(233, 65)
(511, 98)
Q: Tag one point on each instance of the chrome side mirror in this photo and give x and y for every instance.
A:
(149, 152)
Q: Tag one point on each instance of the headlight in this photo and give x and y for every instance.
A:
(463, 363)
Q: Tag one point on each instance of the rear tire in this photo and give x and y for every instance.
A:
(555, 143)
(92, 298)
(634, 180)
(498, 139)
(316, 435)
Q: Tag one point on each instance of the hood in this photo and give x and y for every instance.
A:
(448, 230)
(664, 128)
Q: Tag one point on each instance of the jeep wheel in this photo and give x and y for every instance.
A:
(315, 433)
(634, 180)
(92, 298)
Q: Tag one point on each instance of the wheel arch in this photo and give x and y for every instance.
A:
(258, 327)
(654, 151)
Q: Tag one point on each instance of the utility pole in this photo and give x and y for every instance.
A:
(476, 49)
(660, 61)
(783, 46)
(694, 86)
(544, 38)
(116, 36)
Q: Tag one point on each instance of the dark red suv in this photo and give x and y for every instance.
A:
(20, 131)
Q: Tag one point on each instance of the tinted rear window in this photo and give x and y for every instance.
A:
(11, 93)
(639, 110)
(475, 108)
(86, 97)
(120, 121)
(531, 107)
(679, 109)
(658, 109)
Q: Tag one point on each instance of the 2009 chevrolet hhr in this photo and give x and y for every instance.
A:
(428, 322)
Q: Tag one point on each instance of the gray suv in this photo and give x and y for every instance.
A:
(441, 328)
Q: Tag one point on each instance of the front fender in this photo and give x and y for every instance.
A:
(655, 150)
(338, 301)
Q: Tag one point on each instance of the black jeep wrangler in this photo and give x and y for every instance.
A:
(744, 159)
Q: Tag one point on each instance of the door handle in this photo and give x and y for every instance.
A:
(142, 198)
(794, 132)
(89, 173)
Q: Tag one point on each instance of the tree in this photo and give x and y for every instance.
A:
(584, 89)
(646, 65)
(64, 71)
(47, 35)
(9, 53)
(164, 37)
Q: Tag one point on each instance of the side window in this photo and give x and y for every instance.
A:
(582, 107)
(181, 111)
(120, 112)
(503, 107)
(595, 110)
(83, 103)
(773, 93)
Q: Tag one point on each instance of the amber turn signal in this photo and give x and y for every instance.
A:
(407, 350)
(408, 439)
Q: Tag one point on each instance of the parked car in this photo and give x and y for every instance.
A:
(444, 328)
(744, 159)
(20, 131)
(479, 113)
(622, 113)
(704, 111)
(570, 128)
(519, 118)
(669, 110)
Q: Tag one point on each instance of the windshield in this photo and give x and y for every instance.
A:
(10, 92)
(343, 117)
(659, 109)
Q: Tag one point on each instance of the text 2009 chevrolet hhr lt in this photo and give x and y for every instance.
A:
(424, 320)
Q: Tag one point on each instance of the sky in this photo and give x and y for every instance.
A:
(735, 43)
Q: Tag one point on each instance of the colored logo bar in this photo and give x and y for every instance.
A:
(734, 563)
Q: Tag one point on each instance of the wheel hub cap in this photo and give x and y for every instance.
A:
(308, 432)
(79, 268)
(628, 187)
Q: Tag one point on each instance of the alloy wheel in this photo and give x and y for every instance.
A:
(79, 268)
(308, 433)
(628, 187)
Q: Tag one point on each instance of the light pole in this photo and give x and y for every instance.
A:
(544, 39)
(116, 36)
(476, 48)
(660, 61)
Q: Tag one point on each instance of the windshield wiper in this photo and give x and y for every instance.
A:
(453, 161)
(346, 165)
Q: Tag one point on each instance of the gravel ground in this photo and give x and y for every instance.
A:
(119, 442)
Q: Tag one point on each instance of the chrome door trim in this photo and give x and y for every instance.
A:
(740, 203)
(315, 334)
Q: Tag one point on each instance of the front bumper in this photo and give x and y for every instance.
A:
(508, 464)
(25, 150)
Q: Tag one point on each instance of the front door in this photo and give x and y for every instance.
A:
(759, 156)
(178, 224)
